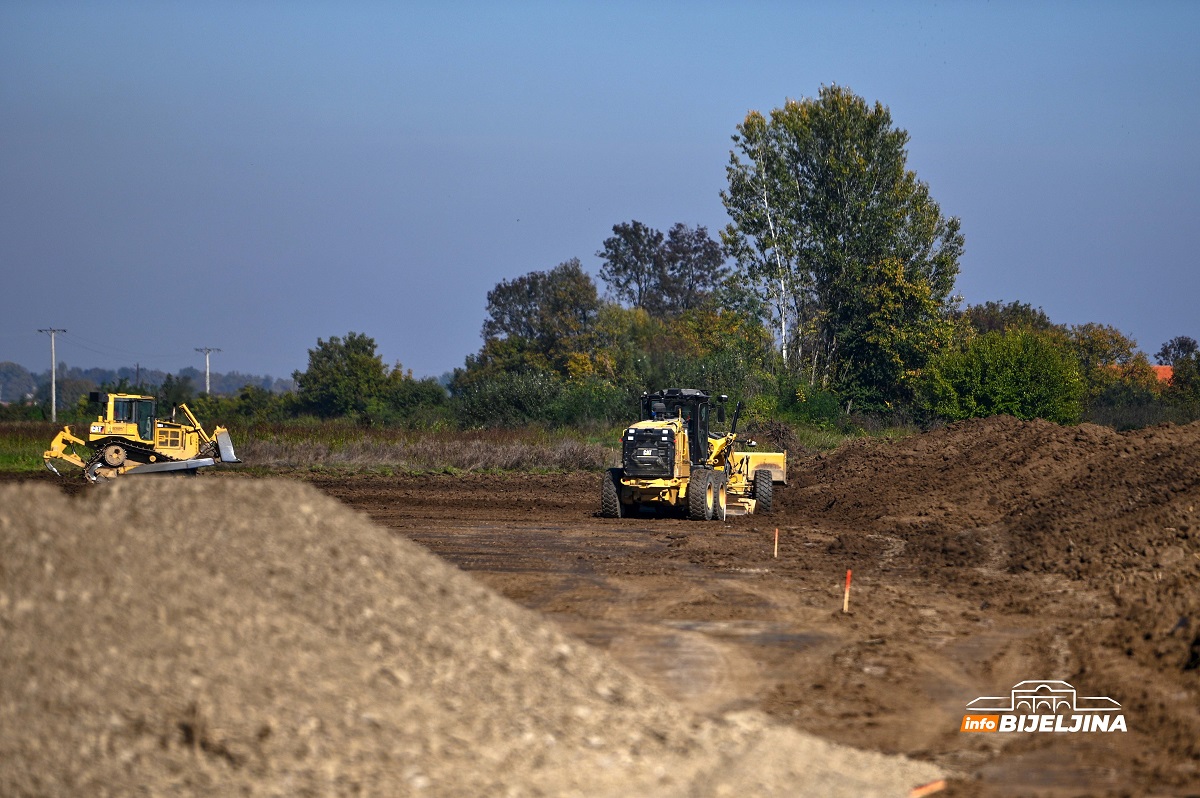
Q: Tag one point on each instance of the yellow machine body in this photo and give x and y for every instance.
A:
(670, 460)
(129, 437)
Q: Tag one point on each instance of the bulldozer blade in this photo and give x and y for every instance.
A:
(225, 447)
(173, 467)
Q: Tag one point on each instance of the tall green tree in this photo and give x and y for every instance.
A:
(1185, 382)
(174, 392)
(900, 327)
(821, 200)
(761, 239)
(1176, 349)
(536, 321)
(994, 316)
(664, 275)
(693, 268)
(343, 377)
(632, 262)
(1109, 359)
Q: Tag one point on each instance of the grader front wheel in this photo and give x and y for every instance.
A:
(700, 496)
(720, 499)
(763, 490)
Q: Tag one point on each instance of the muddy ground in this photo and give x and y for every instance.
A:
(983, 554)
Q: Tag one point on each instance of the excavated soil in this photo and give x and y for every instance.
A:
(237, 639)
(983, 554)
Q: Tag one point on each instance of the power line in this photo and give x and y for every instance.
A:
(206, 350)
(75, 340)
(52, 331)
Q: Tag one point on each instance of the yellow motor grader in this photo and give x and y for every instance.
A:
(670, 461)
(129, 438)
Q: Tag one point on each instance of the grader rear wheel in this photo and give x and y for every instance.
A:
(610, 497)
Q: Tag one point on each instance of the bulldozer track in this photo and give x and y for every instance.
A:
(145, 455)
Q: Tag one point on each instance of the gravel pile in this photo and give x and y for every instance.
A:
(243, 637)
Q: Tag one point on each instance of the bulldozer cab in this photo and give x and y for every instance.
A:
(688, 404)
(137, 410)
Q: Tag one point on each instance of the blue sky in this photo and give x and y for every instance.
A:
(253, 176)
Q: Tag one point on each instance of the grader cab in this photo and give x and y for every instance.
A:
(671, 461)
(130, 438)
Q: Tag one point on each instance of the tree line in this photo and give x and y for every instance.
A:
(25, 394)
(828, 297)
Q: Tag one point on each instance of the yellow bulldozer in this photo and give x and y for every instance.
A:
(671, 462)
(129, 438)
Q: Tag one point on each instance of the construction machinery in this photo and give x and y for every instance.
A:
(670, 461)
(129, 438)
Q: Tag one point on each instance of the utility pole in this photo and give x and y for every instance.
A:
(52, 331)
(206, 350)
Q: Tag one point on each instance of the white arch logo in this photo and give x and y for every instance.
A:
(1044, 705)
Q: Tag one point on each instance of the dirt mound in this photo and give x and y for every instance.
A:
(967, 474)
(1117, 511)
(255, 637)
(1071, 500)
(1109, 519)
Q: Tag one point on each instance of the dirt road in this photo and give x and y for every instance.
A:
(983, 555)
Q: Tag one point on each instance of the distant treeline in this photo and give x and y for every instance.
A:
(19, 386)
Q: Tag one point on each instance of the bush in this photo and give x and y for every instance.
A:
(252, 404)
(25, 412)
(1018, 372)
(818, 406)
(520, 399)
(343, 377)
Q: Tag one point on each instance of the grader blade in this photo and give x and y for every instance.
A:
(740, 505)
(775, 462)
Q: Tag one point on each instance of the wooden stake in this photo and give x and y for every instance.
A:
(928, 789)
(846, 598)
(777, 543)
